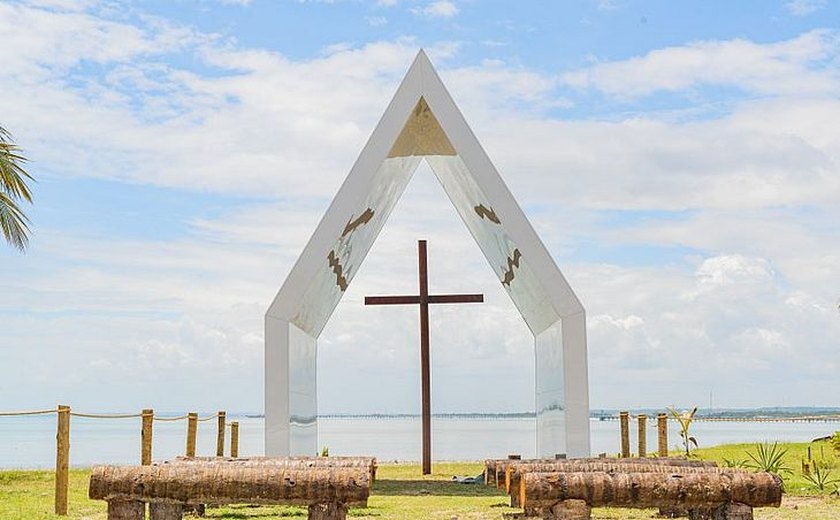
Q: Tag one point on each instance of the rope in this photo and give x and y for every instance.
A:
(104, 415)
(107, 415)
(31, 412)
(179, 418)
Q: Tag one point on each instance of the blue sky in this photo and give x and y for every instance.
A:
(680, 163)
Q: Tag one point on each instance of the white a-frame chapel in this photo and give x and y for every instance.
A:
(423, 122)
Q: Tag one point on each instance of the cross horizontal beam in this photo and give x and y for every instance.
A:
(432, 298)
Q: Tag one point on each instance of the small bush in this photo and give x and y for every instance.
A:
(769, 458)
(821, 479)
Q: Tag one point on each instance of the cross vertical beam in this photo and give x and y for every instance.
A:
(425, 369)
(423, 299)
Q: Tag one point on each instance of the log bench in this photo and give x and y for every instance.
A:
(170, 487)
(513, 473)
(289, 462)
(495, 469)
(709, 495)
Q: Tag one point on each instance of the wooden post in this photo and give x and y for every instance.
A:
(571, 510)
(234, 439)
(146, 437)
(192, 429)
(220, 440)
(642, 435)
(662, 428)
(425, 370)
(126, 510)
(165, 511)
(329, 511)
(62, 460)
(624, 419)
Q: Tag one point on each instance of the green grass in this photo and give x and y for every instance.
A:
(400, 493)
(795, 482)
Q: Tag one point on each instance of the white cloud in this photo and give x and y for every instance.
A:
(805, 7)
(376, 21)
(606, 5)
(755, 193)
(386, 3)
(793, 67)
(66, 5)
(438, 9)
(728, 270)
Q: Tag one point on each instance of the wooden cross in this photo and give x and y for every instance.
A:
(424, 299)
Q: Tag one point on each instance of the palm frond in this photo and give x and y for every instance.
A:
(13, 188)
(13, 223)
(13, 177)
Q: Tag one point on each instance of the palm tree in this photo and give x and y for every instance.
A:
(13, 189)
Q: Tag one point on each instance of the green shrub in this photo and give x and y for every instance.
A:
(821, 479)
(770, 458)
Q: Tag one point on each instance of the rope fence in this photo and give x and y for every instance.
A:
(179, 418)
(31, 412)
(107, 415)
(148, 418)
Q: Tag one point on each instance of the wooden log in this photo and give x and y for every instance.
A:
(192, 430)
(226, 484)
(642, 435)
(489, 472)
(664, 461)
(644, 490)
(220, 435)
(289, 462)
(662, 434)
(62, 460)
(311, 461)
(624, 419)
(126, 510)
(571, 510)
(731, 511)
(499, 467)
(148, 417)
(166, 511)
(234, 439)
(330, 511)
(514, 473)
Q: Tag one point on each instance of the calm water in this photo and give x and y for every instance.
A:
(29, 442)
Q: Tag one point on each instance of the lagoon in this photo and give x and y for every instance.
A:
(29, 442)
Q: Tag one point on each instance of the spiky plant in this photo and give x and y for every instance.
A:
(821, 478)
(769, 458)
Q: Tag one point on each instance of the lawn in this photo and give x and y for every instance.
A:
(400, 493)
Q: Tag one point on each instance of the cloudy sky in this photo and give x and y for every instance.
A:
(683, 168)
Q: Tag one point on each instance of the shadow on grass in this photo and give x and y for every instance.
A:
(245, 511)
(387, 487)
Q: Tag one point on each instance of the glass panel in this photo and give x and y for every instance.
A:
(501, 251)
(303, 400)
(550, 392)
(349, 249)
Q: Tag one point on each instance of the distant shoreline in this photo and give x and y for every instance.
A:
(792, 412)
